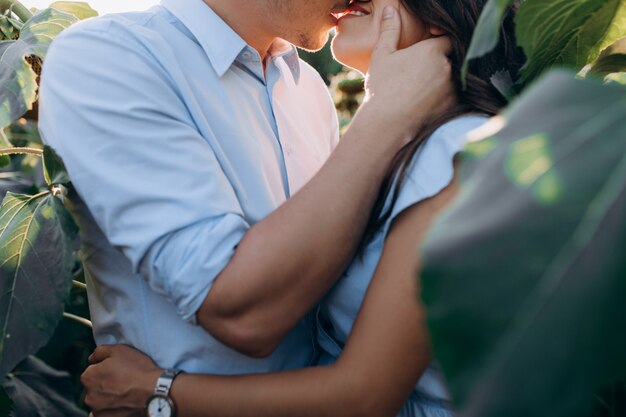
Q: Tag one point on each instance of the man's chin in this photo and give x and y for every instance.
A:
(312, 43)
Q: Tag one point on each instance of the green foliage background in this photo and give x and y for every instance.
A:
(524, 275)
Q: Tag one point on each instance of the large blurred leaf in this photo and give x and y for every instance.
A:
(568, 33)
(524, 276)
(40, 391)
(36, 258)
(79, 9)
(18, 81)
(6, 404)
(487, 32)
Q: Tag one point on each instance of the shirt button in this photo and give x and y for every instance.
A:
(246, 55)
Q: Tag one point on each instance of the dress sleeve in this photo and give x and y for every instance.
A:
(432, 167)
(151, 182)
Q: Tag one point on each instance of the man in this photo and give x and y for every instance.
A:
(187, 131)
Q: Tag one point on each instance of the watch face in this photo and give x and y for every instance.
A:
(160, 406)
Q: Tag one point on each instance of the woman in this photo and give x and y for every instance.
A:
(374, 371)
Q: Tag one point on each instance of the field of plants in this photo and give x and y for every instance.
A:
(525, 275)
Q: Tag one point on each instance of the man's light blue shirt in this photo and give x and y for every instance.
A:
(177, 142)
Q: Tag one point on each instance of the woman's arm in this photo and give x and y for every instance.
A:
(386, 353)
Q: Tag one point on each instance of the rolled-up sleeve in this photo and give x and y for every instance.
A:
(149, 179)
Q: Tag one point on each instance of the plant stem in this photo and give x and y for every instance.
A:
(16, 7)
(77, 319)
(79, 284)
(21, 151)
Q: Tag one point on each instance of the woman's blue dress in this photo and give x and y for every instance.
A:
(430, 171)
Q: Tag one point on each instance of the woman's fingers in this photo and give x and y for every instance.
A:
(390, 30)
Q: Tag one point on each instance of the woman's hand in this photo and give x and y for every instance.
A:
(119, 381)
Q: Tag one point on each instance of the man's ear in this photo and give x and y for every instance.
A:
(435, 31)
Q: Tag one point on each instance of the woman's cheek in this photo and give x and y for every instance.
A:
(354, 48)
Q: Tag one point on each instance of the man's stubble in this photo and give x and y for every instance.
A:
(290, 18)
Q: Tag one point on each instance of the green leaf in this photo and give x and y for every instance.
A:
(4, 141)
(18, 25)
(503, 82)
(616, 78)
(41, 391)
(18, 81)
(14, 8)
(569, 33)
(9, 27)
(611, 60)
(6, 405)
(609, 64)
(54, 168)
(79, 9)
(523, 276)
(36, 257)
(487, 32)
(4, 144)
(7, 30)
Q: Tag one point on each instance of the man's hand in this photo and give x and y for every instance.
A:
(119, 381)
(411, 85)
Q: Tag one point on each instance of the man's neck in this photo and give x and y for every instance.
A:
(246, 19)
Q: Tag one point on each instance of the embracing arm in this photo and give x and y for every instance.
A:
(386, 353)
(159, 194)
(275, 276)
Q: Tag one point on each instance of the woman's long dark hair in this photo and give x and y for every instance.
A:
(457, 18)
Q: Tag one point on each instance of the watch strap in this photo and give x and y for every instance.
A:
(164, 383)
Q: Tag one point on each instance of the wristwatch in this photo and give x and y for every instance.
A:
(160, 404)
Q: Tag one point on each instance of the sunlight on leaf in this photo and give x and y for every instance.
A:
(81, 10)
(493, 126)
(548, 189)
(530, 164)
(481, 148)
(528, 160)
(618, 78)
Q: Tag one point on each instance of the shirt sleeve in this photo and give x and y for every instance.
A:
(151, 182)
(432, 167)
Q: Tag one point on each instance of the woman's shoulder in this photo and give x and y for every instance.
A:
(432, 167)
(434, 158)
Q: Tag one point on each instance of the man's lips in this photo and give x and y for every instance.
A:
(339, 11)
(353, 10)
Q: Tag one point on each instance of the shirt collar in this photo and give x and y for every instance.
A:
(219, 41)
(289, 53)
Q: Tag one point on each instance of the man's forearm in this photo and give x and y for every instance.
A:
(287, 262)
